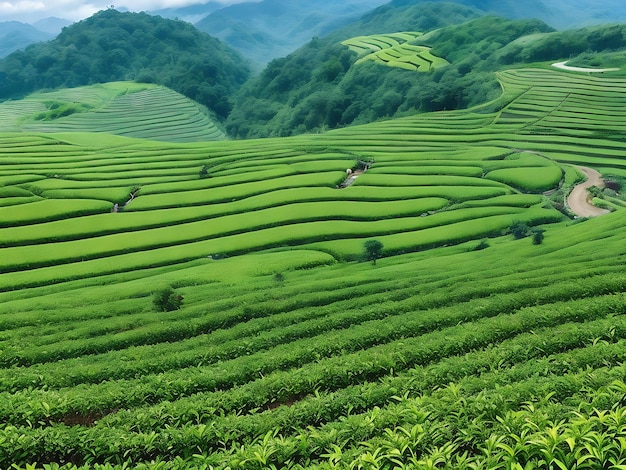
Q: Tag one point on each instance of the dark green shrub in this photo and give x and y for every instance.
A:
(167, 300)
(372, 250)
(482, 245)
(519, 229)
(537, 236)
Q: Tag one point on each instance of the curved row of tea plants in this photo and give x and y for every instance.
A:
(121, 108)
(241, 360)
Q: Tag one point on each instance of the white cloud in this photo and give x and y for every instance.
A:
(30, 11)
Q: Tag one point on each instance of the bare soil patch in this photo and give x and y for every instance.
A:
(579, 199)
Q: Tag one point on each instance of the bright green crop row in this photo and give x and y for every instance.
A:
(453, 170)
(266, 228)
(529, 179)
(374, 179)
(427, 348)
(50, 209)
(231, 192)
(341, 204)
(486, 225)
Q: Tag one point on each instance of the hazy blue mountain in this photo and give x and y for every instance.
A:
(192, 13)
(268, 29)
(561, 14)
(52, 25)
(564, 14)
(506, 8)
(15, 35)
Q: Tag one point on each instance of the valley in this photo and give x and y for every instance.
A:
(421, 265)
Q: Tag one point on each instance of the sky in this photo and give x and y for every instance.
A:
(29, 11)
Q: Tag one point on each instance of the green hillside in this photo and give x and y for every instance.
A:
(324, 86)
(113, 46)
(462, 347)
(328, 85)
(120, 108)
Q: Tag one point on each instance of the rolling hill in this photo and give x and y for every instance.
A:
(123, 108)
(461, 345)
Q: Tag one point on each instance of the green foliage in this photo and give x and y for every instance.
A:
(482, 245)
(112, 46)
(167, 300)
(586, 42)
(58, 109)
(372, 250)
(293, 95)
(519, 229)
(537, 236)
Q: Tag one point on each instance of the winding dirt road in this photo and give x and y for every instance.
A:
(563, 66)
(578, 200)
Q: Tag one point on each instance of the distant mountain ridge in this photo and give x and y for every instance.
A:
(15, 35)
(264, 30)
(560, 14)
(267, 29)
(192, 13)
(51, 25)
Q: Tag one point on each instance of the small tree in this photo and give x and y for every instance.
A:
(167, 300)
(204, 172)
(537, 236)
(519, 229)
(372, 250)
(482, 245)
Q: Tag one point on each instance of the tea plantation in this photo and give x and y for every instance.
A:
(121, 108)
(395, 50)
(461, 348)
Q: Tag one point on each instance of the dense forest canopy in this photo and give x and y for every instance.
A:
(112, 46)
(319, 86)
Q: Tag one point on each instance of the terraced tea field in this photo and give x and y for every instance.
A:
(395, 50)
(460, 348)
(122, 108)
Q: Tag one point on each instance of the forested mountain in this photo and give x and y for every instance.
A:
(560, 14)
(268, 29)
(319, 86)
(191, 13)
(111, 46)
(51, 25)
(15, 35)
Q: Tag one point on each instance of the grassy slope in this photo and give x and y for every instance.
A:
(122, 108)
(453, 355)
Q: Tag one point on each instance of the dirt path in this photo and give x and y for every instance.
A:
(578, 200)
(350, 179)
(563, 66)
